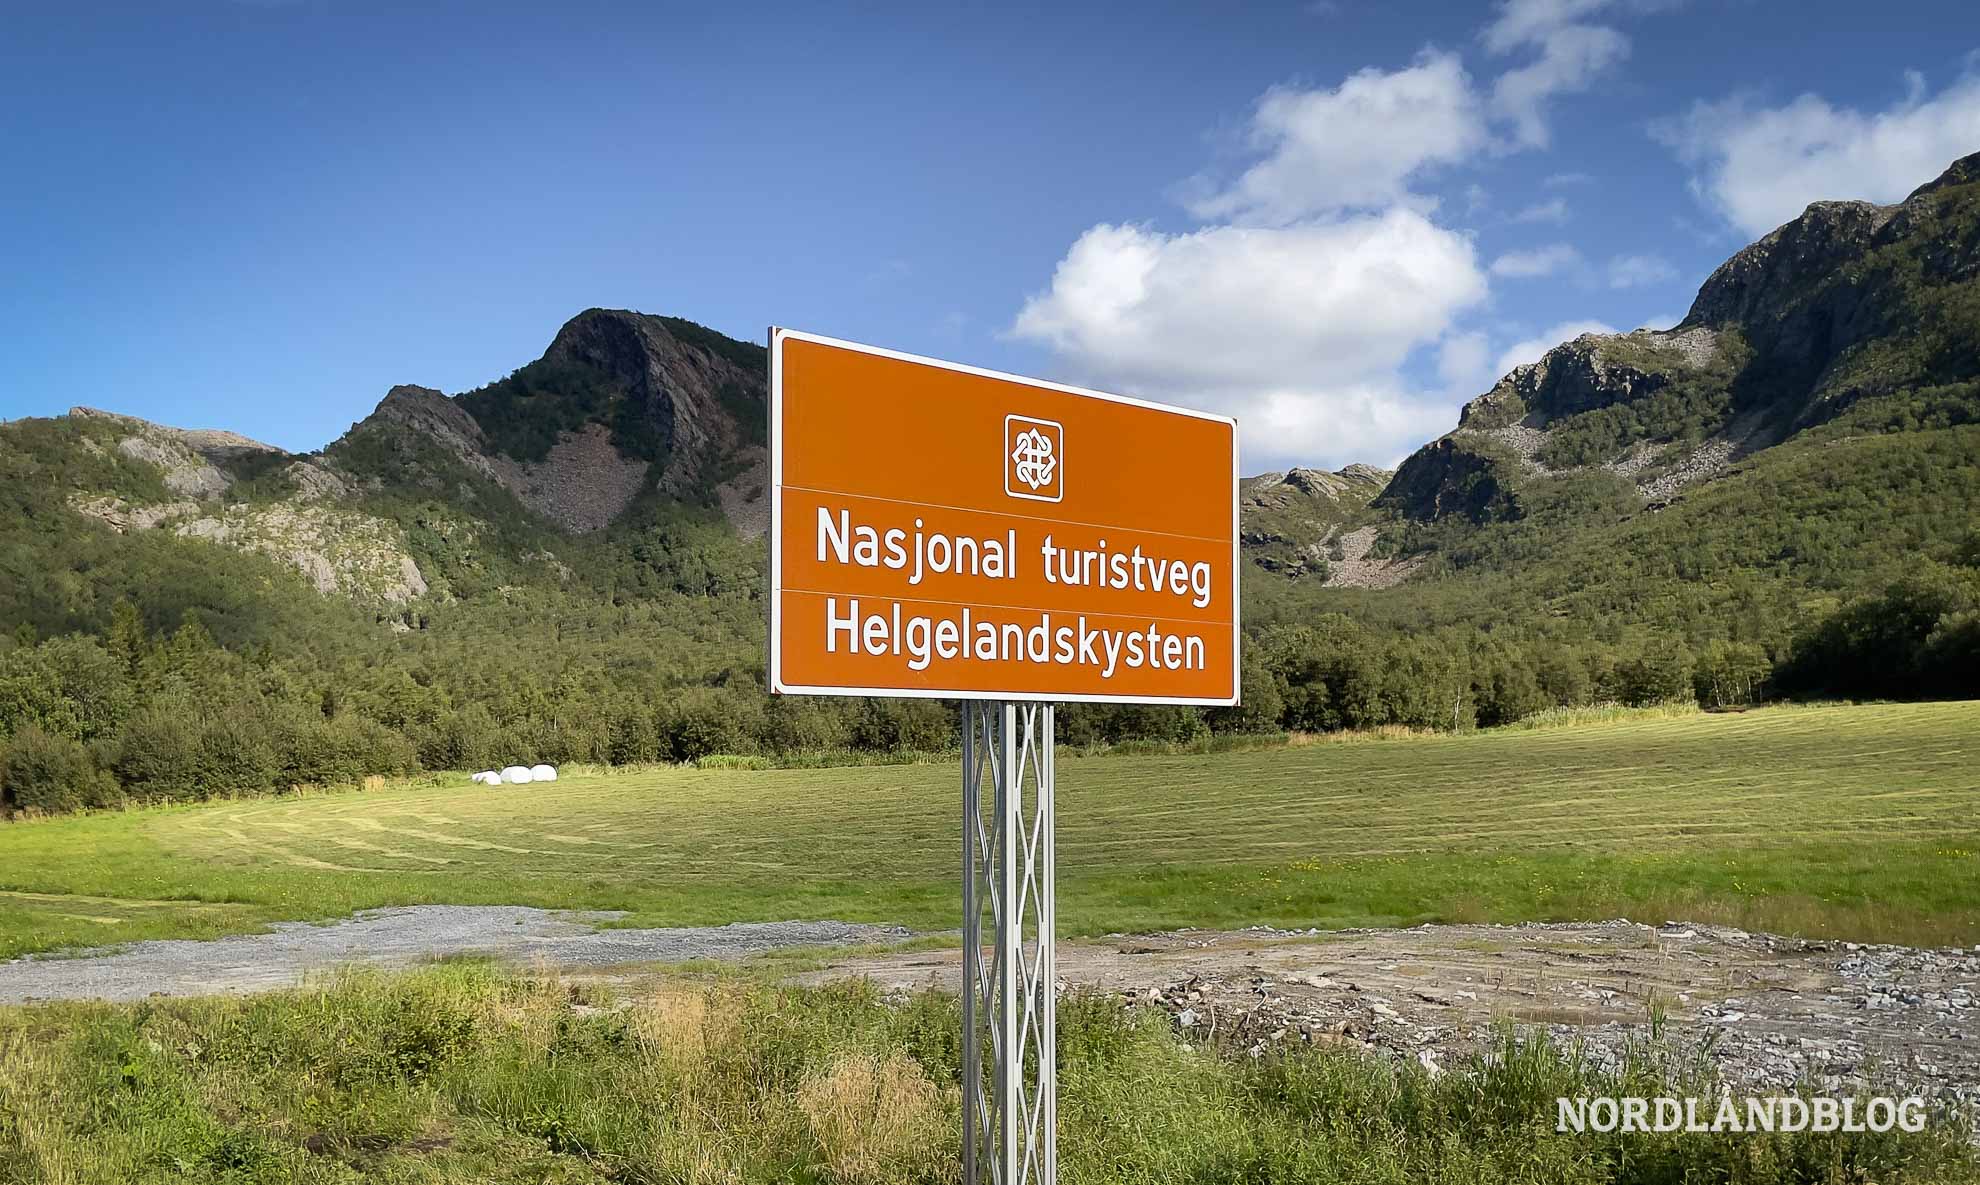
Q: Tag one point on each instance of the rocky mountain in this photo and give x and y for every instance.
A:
(1851, 319)
(623, 409)
(1848, 305)
(620, 405)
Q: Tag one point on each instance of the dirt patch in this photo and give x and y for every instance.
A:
(1769, 1011)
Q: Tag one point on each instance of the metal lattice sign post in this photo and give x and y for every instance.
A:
(939, 531)
(1009, 1124)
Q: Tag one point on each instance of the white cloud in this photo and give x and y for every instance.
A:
(1358, 145)
(1321, 277)
(1559, 180)
(1530, 350)
(1300, 330)
(1634, 271)
(1528, 22)
(1555, 210)
(1572, 53)
(1761, 166)
(1541, 261)
(1662, 321)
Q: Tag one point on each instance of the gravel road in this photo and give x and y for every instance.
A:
(397, 938)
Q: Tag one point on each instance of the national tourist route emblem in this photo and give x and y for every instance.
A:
(1035, 451)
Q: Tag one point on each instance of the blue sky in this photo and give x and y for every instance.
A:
(1335, 220)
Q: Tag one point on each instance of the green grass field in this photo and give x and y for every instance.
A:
(1853, 821)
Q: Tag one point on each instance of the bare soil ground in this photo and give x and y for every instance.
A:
(1769, 1011)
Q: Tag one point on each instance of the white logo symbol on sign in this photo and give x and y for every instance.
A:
(1033, 459)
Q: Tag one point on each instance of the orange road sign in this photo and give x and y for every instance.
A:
(942, 531)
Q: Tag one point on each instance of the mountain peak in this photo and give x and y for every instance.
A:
(620, 403)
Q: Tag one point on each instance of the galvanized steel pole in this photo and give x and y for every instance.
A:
(1010, 1131)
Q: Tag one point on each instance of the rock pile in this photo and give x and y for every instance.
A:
(1763, 1012)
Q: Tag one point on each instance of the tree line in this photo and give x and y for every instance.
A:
(133, 715)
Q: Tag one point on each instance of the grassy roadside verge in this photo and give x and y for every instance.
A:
(460, 1073)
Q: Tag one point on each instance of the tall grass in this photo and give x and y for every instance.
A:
(1572, 717)
(460, 1073)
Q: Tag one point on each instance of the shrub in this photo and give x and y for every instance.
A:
(708, 720)
(233, 757)
(157, 754)
(1660, 674)
(40, 771)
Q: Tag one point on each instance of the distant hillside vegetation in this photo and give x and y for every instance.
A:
(1779, 496)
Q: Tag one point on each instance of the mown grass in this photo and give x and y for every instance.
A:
(1858, 821)
(461, 1073)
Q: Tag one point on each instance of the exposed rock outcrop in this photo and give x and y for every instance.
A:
(1290, 521)
(584, 484)
(193, 462)
(340, 551)
(124, 517)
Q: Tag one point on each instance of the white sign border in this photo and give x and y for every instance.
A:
(777, 337)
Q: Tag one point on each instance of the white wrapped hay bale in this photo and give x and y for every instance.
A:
(516, 775)
(487, 777)
(542, 773)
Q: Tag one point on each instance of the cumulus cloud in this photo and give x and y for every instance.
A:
(1358, 145)
(1320, 276)
(1572, 53)
(1298, 330)
(1634, 271)
(1540, 261)
(1531, 349)
(1761, 166)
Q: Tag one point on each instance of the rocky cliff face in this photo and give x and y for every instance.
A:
(620, 403)
(702, 397)
(1848, 301)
